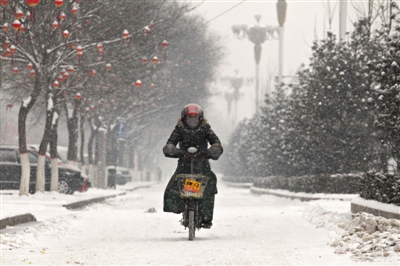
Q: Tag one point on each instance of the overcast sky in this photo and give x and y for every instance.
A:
(305, 21)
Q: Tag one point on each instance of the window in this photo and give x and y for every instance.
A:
(8, 156)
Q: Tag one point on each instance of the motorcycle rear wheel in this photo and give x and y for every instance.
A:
(192, 228)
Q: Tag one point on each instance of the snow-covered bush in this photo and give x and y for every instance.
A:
(381, 187)
(337, 183)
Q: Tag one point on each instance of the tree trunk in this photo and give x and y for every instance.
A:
(82, 147)
(72, 124)
(121, 153)
(40, 173)
(91, 161)
(131, 154)
(26, 169)
(102, 172)
(53, 148)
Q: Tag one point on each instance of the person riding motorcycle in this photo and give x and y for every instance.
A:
(193, 133)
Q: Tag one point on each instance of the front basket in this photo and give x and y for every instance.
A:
(191, 185)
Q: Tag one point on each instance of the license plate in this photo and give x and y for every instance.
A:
(192, 185)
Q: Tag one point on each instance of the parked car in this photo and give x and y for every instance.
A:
(69, 180)
(63, 162)
(123, 174)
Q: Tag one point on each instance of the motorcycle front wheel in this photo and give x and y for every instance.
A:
(192, 228)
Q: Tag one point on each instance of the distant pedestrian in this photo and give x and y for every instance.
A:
(159, 175)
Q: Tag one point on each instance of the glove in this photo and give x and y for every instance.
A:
(215, 151)
(192, 150)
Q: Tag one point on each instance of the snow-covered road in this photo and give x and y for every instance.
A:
(248, 230)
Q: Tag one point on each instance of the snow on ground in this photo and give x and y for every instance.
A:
(365, 236)
(49, 204)
(248, 230)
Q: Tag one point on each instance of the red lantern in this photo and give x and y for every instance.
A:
(144, 60)
(58, 3)
(78, 96)
(62, 71)
(5, 2)
(125, 34)
(91, 108)
(108, 66)
(62, 16)
(55, 24)
(32, 3)
(79, 55)
(79, 49)
(152, 85)
(155, 60)
(65, 75)
(8, 52)
(60, 78)
(28, 15)
(32, 73)
(5, 27)
(100, 46)
(138, 83)
(22, 28)
(29, 66)
(56, 84)
(92, 72)
(147, 30)
(6, 43)
(74, 10)
(13, 49)
(71, 69)
(65, 34)
(164, 44)
(16, 25)
(15, 70)
(101, 52)
(19, 14)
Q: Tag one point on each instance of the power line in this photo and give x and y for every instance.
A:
(225, 11)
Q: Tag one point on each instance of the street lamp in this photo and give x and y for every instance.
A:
(258, 34)
(281, 7)
(236, 83)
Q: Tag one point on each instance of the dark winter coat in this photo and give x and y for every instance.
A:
(185, 138)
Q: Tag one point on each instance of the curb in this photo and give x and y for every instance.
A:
(15, 220)
(80, 204)
(260, 191)
(142, 186)
(238, 185)
(385, 210)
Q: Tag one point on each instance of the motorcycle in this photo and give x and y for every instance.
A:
(191, 189)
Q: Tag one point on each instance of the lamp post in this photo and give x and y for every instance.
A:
(236, 83)
(258, 34)
(281, 7)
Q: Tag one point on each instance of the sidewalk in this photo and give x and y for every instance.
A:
(17, 209)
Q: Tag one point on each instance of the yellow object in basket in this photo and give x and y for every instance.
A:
(192, 185)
